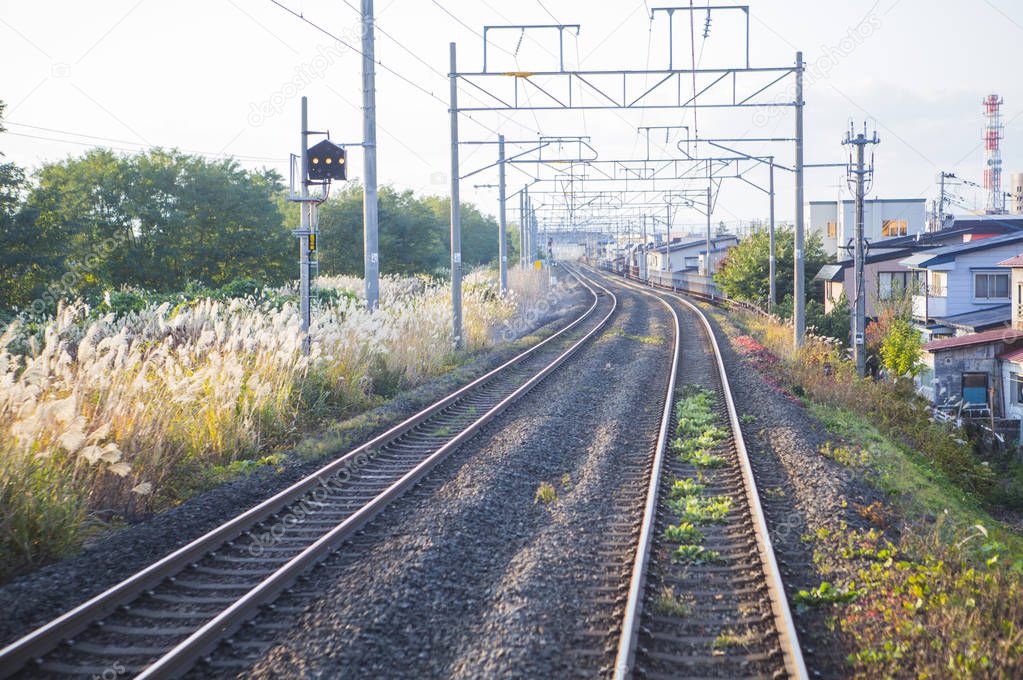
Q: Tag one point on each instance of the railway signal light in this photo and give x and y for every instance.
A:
(326, 162)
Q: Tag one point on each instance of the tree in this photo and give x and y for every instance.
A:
(157, 220)
(744, 273)
(900, 349)
(833, 324)
(415, 234)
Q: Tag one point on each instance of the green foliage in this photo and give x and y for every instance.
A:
(825, 593)
(154, 220)
(546, 494)
(694, 554)
(683, 532)
(697, 432)
(900, 349)
(669, 604)
(414, 233)
(43, 515)
(744, 273)
(163, 220)
(700, 510)
(833, 324)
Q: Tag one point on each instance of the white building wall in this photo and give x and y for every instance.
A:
(875, 212)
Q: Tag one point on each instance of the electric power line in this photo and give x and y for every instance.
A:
(133, 146)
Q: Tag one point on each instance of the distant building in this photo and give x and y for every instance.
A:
(885, 273)
(1017, 193)
(961, 288)
(883, 218)
(689, 254)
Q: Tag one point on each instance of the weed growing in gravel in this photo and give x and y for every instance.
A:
(730, 638)
(694, 554)
(699, 510)
(546, 494)
(774, 492)
(848, 456)
(698, 433)
(685, 487)
(566, 481)
(669, 604)
(683, 532)
(825, 593)
(747, 419)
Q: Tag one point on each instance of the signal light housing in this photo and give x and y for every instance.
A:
(326, 162)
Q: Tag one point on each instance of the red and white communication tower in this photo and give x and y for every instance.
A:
(993, 135)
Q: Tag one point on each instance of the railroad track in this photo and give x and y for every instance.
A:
(722, 612)
(168, 617)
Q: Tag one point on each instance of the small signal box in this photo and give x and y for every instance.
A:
(326, 162)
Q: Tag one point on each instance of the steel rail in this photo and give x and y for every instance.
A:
(47, 637)
(634, 605)
(784, 623)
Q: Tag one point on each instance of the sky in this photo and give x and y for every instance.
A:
(225, 77)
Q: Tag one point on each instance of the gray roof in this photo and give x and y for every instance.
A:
(831, 272)
(949, 253)
(692, 243)
(980, 319)
(848, 201)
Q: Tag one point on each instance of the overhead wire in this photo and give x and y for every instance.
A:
(132, 146)
(402, 46)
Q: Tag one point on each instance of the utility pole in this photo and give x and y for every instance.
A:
(456, 210)
(667, 239)
(643, 273)
(709, 268)
(502, 222)
(860, 175)
(772, 296)
(526, 219)
(799, 294)
(370, 214)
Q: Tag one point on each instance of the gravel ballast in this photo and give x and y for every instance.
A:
(799, 489)
(470, 576)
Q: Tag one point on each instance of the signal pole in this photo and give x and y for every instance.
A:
(370, 214)
(304, 231)
(859, 176)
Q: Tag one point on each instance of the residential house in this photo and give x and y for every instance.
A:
(688, 254)
(960, 288)
(967, 370)
(883, 218)
(883, 272)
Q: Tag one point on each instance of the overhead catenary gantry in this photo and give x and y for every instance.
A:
(685, 89)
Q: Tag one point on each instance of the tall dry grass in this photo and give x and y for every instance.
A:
(110, 416)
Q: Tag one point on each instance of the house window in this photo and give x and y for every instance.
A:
(893, 284)
(991, 286)
(975, 388)
(832, 230)
(894, 228)
(1016, 388)
(937, 284)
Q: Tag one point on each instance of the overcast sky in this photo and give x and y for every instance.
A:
(225, 76)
